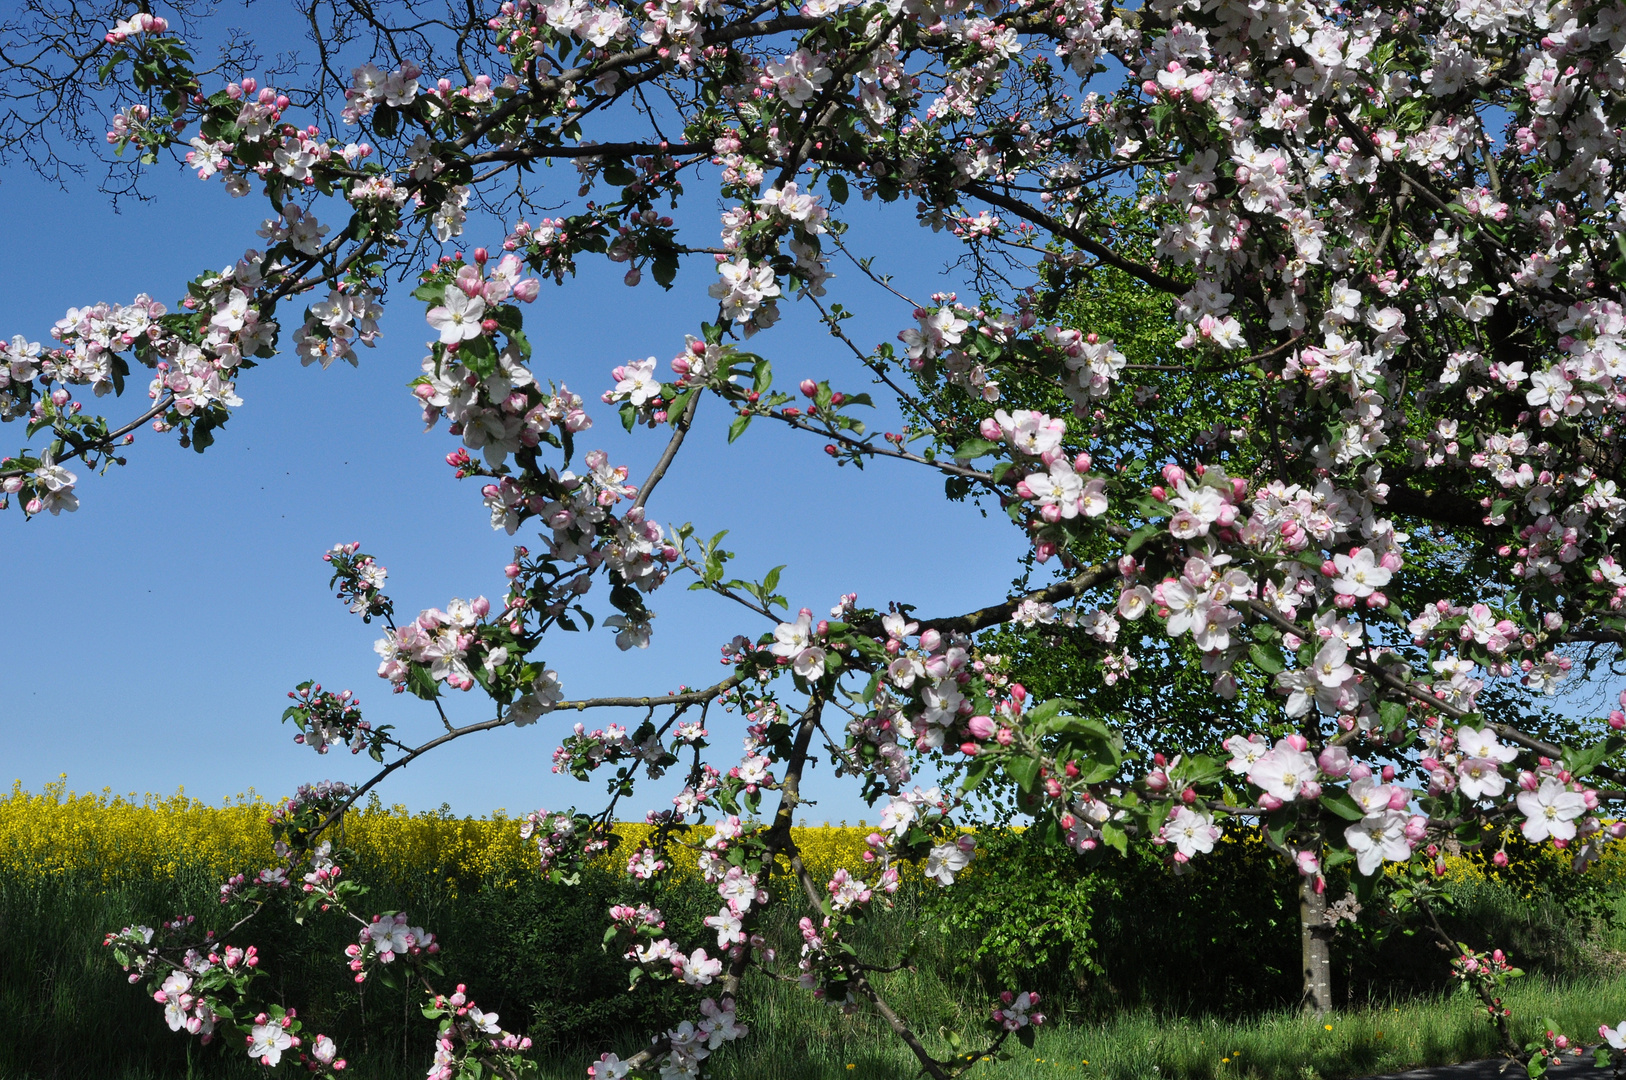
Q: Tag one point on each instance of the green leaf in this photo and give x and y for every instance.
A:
(1393, 715)
(1342, 804)
(665, 268)
(737, 428)
(1140, 536)
(1115, 837)
(1267, 658)
(837, 185)
(385, 121)
(1024, 771)
(870, 687)
(421, 683)
(974, 448)
(479, 356)
(977, 773)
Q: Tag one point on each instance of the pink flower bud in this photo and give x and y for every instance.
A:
(481, 607)
(1334, 761)
(809, 388)
(980, 727)
(1398, 798)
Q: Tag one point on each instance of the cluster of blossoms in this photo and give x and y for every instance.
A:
(332, 326)
(371, 87)
(188, 981)
(386, 939)
(358, 580)
(184, 1009)
(307, 802)
(1016, 1011)
(1060, 492)
(562, 840)
(439, 641)
(583, 751)
(688, 1044)
(481, 1036)
(326, 719)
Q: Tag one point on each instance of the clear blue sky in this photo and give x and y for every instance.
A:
(153, 635)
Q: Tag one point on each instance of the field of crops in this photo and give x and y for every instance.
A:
(129, 837)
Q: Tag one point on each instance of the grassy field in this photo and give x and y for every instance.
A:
(1186, 983)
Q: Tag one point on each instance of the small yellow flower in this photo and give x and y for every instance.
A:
(850, 1065)
(1327, 1026)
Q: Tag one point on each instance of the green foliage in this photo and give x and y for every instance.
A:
(1022, 914)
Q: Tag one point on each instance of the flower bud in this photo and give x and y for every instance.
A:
(1334, 761)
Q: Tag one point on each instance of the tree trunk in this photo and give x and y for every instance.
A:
(1314, 934)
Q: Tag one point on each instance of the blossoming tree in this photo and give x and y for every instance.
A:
(1395, 252)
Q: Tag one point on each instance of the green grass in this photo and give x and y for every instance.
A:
(798, 1039)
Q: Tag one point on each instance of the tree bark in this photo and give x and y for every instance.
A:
(1314, 935)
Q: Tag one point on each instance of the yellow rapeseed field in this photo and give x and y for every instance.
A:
(117, 837)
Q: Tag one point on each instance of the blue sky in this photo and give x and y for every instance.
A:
(154, 633)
